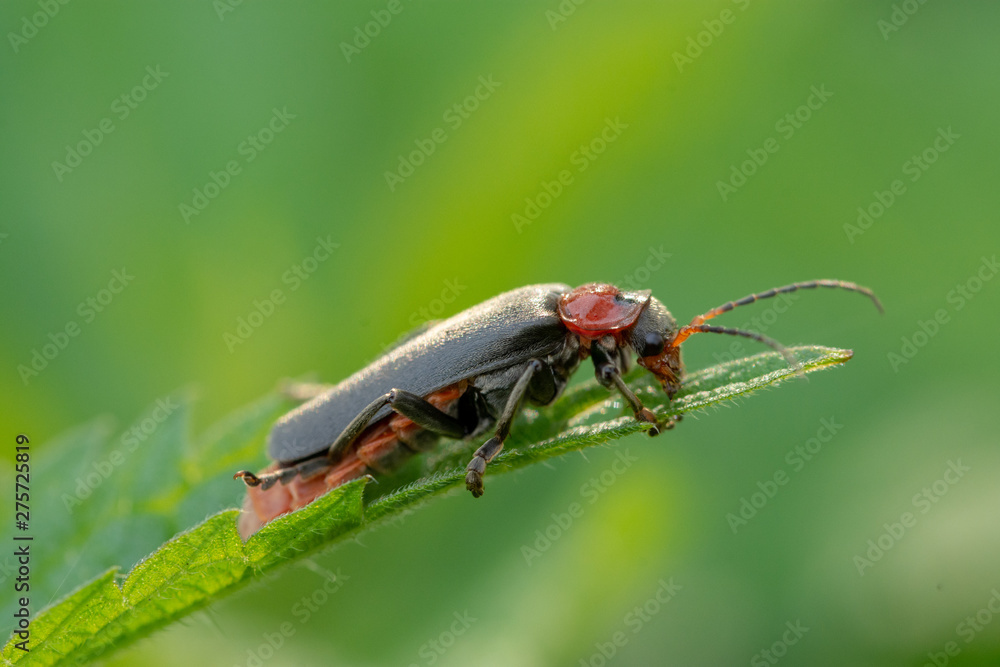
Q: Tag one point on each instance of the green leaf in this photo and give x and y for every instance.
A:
(63, 629)
(208, 561)
(296, 534)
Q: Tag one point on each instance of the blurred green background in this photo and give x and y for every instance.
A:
(443, 238)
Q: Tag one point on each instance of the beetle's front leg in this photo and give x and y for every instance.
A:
(492, 447)
(609, 375)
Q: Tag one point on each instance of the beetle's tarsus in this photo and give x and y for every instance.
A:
(477, 466)
(474, 476)
(265, 482)
(664, 425)
(474, 483)
(248, 478)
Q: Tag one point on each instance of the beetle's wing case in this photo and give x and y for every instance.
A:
(506, 330)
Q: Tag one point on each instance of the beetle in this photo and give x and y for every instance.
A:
(471, 373)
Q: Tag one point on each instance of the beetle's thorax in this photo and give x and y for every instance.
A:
(596, 310)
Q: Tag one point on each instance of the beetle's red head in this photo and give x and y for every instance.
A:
(633, 319)
(653, 339)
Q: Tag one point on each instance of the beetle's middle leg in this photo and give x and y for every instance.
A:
(492, 447)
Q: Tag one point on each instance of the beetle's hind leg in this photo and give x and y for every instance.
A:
(410, 405)
(415, 408)
(492, 447)
(283, 475)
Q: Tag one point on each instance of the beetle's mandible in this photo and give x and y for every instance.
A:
(470, 374)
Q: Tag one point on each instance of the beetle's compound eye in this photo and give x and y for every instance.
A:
(652, 345)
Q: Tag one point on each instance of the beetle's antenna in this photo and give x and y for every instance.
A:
(684, 332)
(794, 287)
